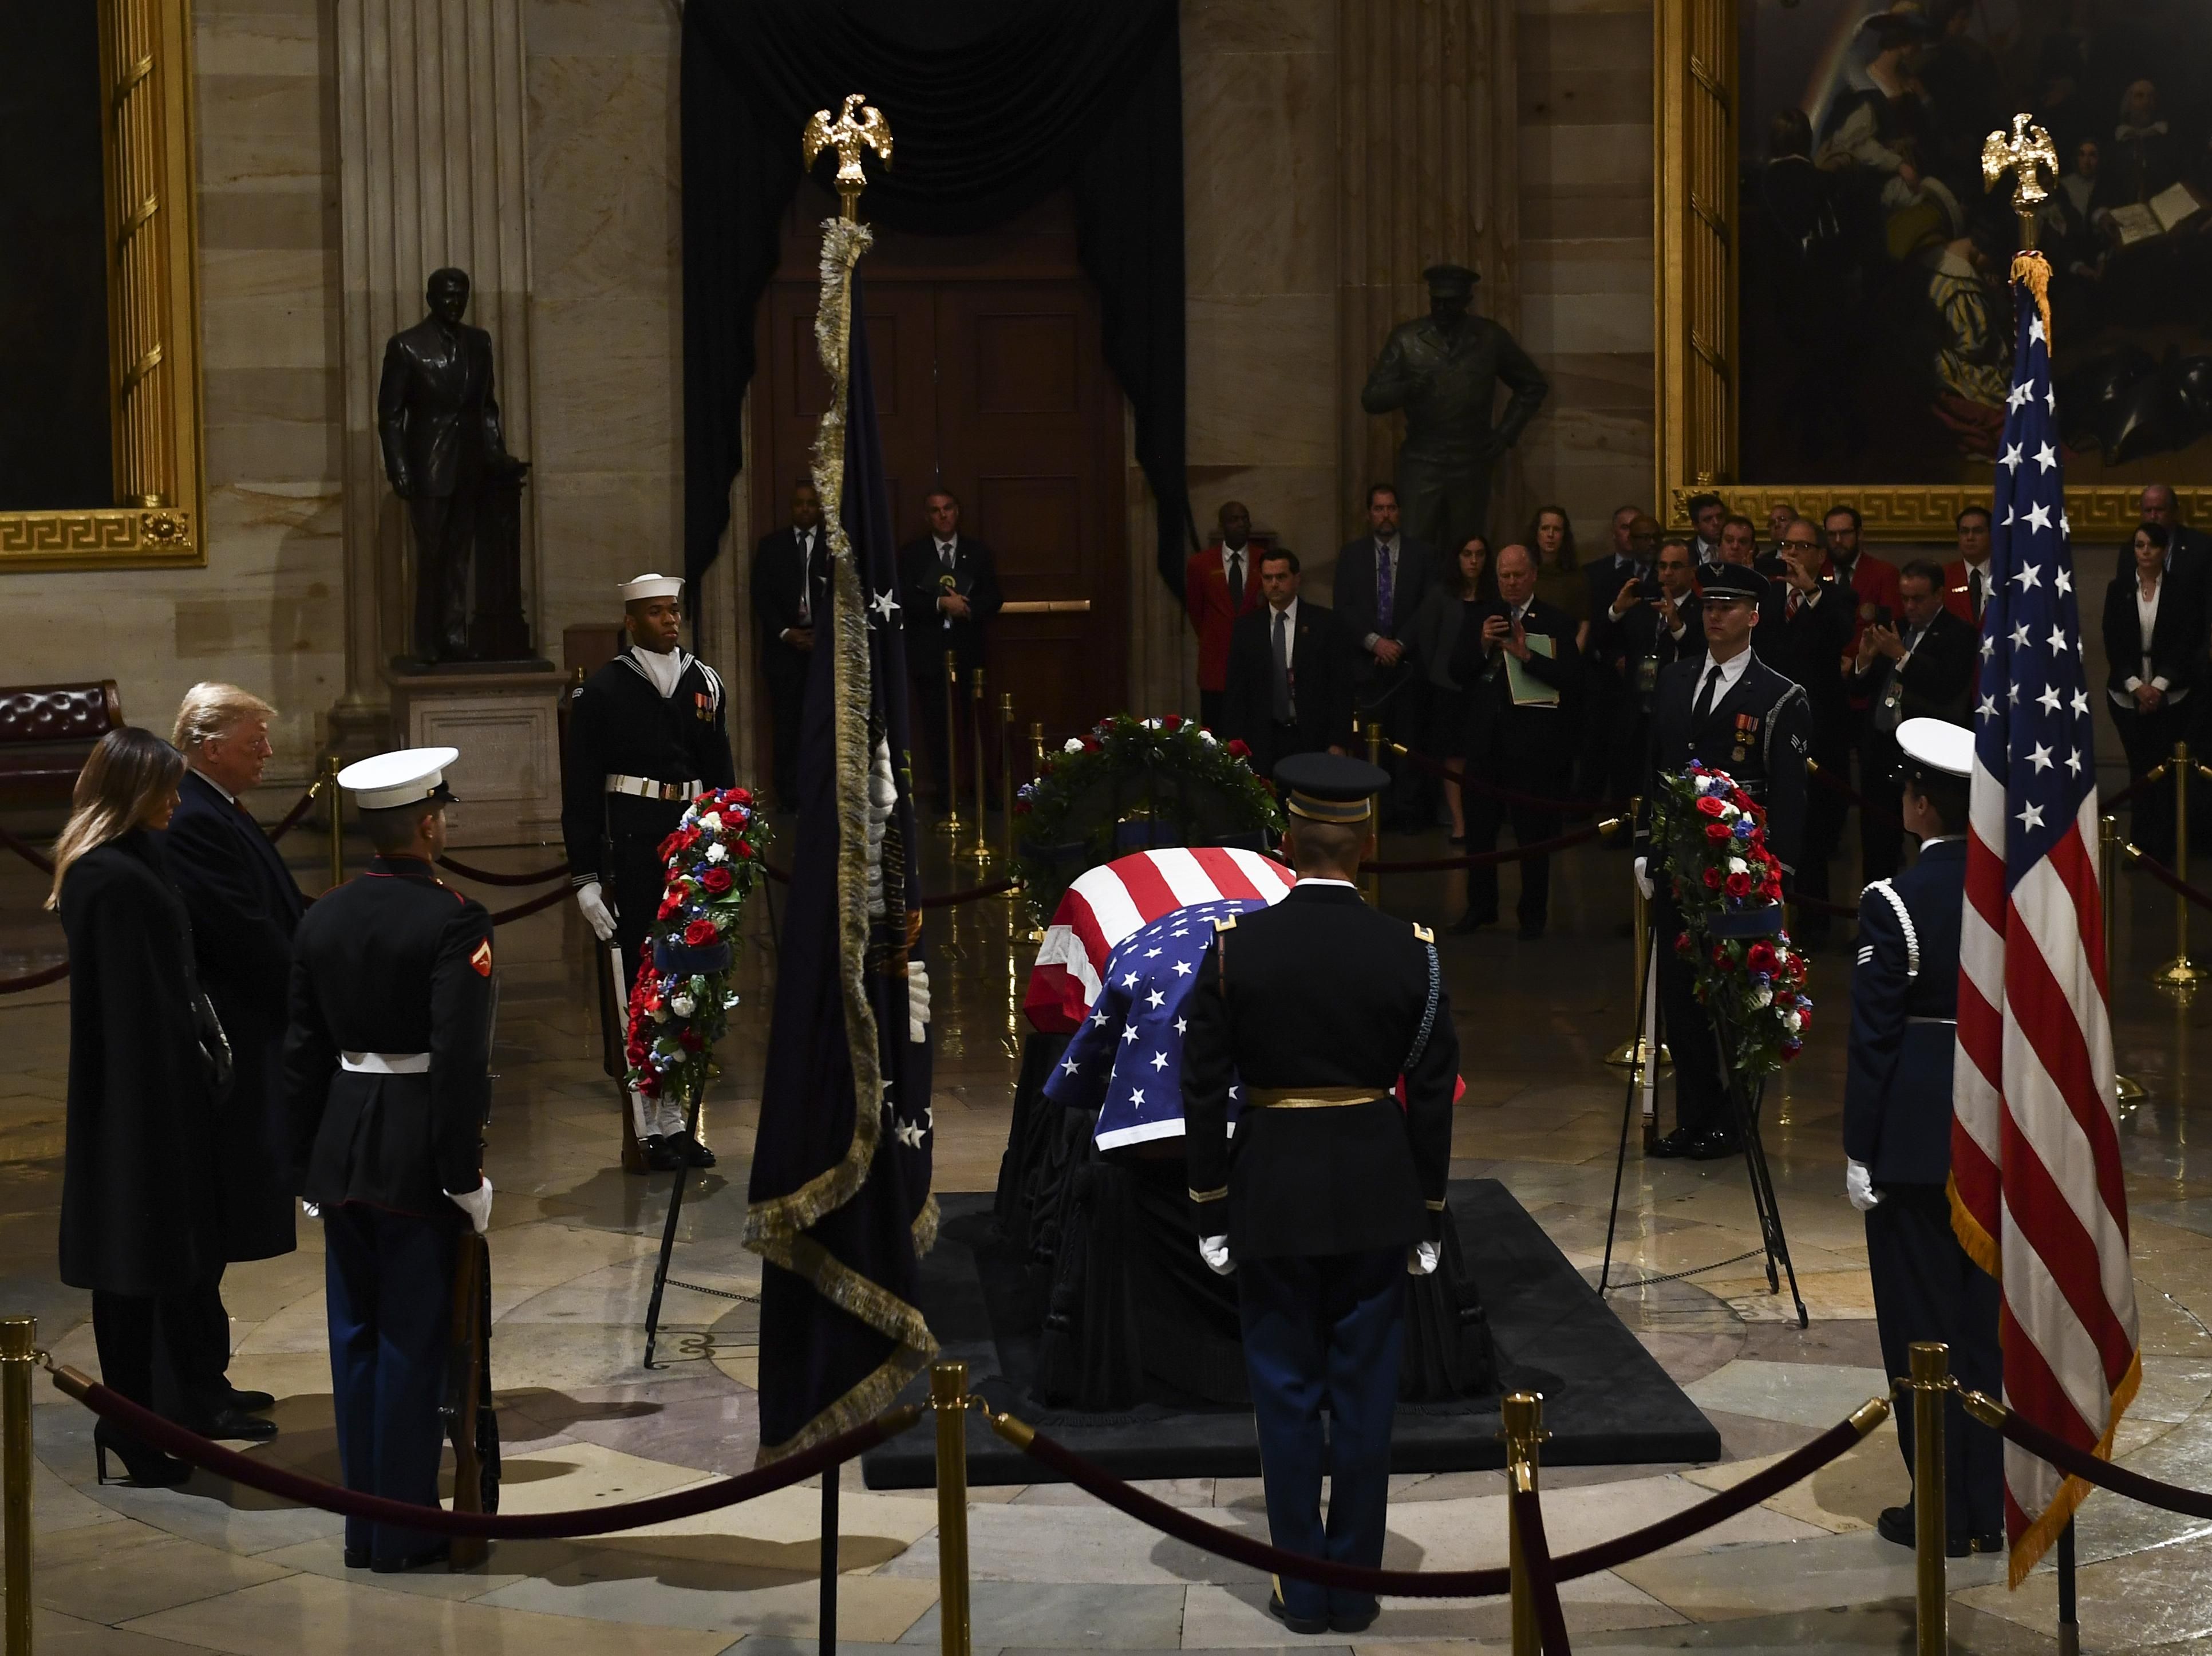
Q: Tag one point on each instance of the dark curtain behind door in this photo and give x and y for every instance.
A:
(993, 105)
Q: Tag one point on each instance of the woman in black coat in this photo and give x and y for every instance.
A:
(146, 1058)
(1466, 587)
(2154, 631)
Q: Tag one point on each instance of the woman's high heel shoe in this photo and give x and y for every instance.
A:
(146, 1467)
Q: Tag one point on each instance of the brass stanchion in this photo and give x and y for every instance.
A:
(1037, 771)
(1524, 1413)
(1006, 774)
(1931, 1385)
(1375, 807)
(2180, 973)
(334, 805)
(2129, 1090)
(953, 825)
(948, 1395)
(978, 850)
(18, 1350)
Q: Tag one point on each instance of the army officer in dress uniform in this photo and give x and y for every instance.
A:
(1317, 1006)
(1897, 1132)
(386, 1075)
(646, 735)
(1738, 714)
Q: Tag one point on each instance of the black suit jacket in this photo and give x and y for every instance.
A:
(392, 961)
(1642, 635)
(1359, 614)
(1319, 692)
(1937, 679)
(775, 586)
(2177, 637)
(1494, 723)
(435, 410)
(929, 632)
(1320, 991)
(244, 906)
(1760, 733)
(1807, 648)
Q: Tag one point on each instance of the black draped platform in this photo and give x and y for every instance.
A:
(1607, 1401)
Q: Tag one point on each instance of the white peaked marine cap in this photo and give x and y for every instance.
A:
(1939, 745)
(412, 776)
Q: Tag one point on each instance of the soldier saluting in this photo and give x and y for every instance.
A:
(1735, 713)
(646, 736)
(387, 1081)
(1335, 1192)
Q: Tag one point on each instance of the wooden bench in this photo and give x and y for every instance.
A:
(46, 734)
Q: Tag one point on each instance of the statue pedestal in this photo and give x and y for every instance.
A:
(504, 717)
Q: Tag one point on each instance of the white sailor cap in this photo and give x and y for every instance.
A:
(1937, 745)
(652, 586)
(412, 776)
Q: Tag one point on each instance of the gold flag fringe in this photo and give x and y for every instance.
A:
(2031, 271)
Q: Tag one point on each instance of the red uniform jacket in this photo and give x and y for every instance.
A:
(1206, 596)
(1958, 594)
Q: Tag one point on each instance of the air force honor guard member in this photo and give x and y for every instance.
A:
(1335, 1192)
(1737, 715)
(646, 735)
(1897, 1132)
(386, 1078)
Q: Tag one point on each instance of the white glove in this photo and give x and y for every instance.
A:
(1421, 1258)
(1858, 1185)
(1214, 1249)
(310, 1208)
(477, 1204)
(917, 1000)
(1643, 878)
(598, 911)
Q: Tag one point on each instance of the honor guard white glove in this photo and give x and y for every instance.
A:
(1421, 1258)
(1858, 1185)
(477, 1204)
(310, 1208)
(917, 1000)
(1214, 1249)
(599, 913)
(1644, 877)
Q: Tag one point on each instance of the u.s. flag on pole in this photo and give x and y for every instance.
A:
(2037, 1196)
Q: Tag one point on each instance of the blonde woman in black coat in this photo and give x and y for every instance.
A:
(146, 1060)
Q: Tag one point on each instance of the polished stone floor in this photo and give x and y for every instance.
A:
(215, 1567)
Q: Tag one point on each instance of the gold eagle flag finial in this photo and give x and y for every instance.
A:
(849, 137)
(2023, 153)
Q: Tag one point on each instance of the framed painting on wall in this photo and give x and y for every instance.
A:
(1834, 317)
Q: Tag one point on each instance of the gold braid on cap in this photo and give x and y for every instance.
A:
(1342, 811)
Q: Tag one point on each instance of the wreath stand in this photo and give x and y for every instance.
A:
(660, 1278)
(1744, 1101)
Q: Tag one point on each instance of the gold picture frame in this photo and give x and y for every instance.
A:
(152, 313)
(1696, 229)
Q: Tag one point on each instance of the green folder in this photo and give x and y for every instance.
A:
(1529, 691)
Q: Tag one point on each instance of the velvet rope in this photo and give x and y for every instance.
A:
(31, 980)
(2079, 1462)
(1835, 785)
(293, 816)
(1536, 1563)
(2151, 777)
(1565, 807)
(545, 900)
(488, 877)
(174, 1440)
(30, 853)
(1486, 859)
(2171, 880)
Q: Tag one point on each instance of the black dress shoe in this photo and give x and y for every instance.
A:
(660, 1155)
(1296, 1623)
(689, 1150)
(356, 1558)
(1713, 1147)
(238, 1424)
(1992, 1543)
(143, 1464)
(1896, 1525)
(252, 1402)
(435, 1554)
(1676, 1144)
(1472, 922)
(1358, 1622)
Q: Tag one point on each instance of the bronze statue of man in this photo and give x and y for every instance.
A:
(439, 422)
(1444, 370)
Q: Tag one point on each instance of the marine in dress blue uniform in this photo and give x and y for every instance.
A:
(1897, 1132)
(386, 1077)
(1333, 1190)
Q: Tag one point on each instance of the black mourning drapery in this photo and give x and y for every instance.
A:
(993, 105)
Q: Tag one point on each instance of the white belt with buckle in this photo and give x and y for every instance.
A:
(1931, 1020)
(646, 788)
(385, 1063)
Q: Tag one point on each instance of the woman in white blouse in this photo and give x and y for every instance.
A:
(2155, 640)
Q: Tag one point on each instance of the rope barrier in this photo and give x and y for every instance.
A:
(2168, 878)
(31, 980)
(973, 894)
(172, 1439)
(489, 877)
(1486, 858)
(2149, 778)
(1879, 813)
(292, 818)
(2079, 1462)
(545, 900)
(28, 852)
(1565, 807)
(1536, 1564)
(1821, 905)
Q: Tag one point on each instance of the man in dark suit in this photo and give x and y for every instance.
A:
(1516, 669)
(1380, 579)
(244, 905)
(386, 1075)
(1923, 666)
(949, 586)
(437, 419)
(1896, 1133)
(1286, 692)
(1220, 586)
(1648, 625)
(791, 589)
(1707, 513)
(1608, 771)
(1967, 577)
(1805, 645)
(2188, 551)
(1739, 546)
(1737, 715)
(1317, 1007)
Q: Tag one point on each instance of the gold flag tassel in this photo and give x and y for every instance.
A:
(2031, 271)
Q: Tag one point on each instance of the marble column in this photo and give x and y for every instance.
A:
(1426, 140)
(432, 171)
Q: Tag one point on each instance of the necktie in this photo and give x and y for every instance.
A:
(944, 552)
(1383, 589)
(1235, 580)
(1974, 588)
(806, 580)
(1704, 699)
(1789, 610)
(1282, 711)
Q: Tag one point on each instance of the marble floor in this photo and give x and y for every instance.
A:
(215, 1567)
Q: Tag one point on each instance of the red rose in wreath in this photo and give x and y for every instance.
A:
(669, 846)
(738, 795)
(1708, 806)
(1717, 832)
(669, 905)
(1712, 880)
(716, 879)
(699, 933)
(1721, 958)
(1237, 750)
(1739, 884)
(1173, 722)
(1760, 956)
(688, 1038)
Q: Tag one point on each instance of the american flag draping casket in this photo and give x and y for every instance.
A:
(1110, 903)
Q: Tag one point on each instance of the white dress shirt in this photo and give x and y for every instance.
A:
(2146, 623)
(1731, 670)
